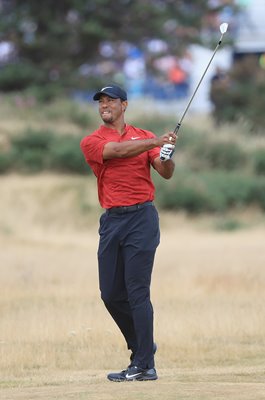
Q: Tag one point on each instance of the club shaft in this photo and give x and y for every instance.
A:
(197, 87)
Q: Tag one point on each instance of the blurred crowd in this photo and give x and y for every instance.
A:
(154, 71)
(149, 68)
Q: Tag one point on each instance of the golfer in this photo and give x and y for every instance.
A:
(121, 157)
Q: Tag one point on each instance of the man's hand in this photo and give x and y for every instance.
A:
(166, 152)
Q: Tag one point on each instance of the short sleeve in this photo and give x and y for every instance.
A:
(92, 146)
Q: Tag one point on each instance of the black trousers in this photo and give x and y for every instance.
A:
(126, 254)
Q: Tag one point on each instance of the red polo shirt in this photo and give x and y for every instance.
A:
(121, 181)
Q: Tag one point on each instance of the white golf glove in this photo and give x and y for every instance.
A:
(167, 151)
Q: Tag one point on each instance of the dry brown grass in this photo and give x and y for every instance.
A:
(56, 339)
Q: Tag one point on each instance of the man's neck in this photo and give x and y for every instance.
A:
(118, 126)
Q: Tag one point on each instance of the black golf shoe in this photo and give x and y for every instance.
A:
(133, 373)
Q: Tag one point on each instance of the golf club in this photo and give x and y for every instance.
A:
(223, 29)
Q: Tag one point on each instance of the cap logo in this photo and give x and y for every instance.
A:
(113, 91)
(106, 87)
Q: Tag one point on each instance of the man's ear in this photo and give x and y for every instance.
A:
(124, 105)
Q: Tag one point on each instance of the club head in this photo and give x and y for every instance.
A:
(223, 27)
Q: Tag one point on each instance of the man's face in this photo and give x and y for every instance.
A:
(111, 109)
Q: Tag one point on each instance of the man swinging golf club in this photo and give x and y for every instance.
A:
(121, 157)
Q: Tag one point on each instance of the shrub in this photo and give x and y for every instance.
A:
(18, 76)
(226, 155)
(190, 139)
(45, 93)
(257, 194)
(5, 162)
(30, 150)
(31, 139)
(31, 160)
(214, 191)
(34, 151)
(228, 224)
(220, 155)
(192, 199)
(243, 97)
(184, 191)
(228, 189)
(259, 161)
(66, 156)
(184, 197)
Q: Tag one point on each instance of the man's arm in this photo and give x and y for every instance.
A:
(128, 148)
(133, 148)
(164, 168)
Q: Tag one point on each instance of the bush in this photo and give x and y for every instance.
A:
(228, 224)
(220, 155)
(183, 193)
(259, 161)
(214, 191)
(35, 151)
(228, 189)
(66, 156)
(5, 162)
(31, 160)
(243, 97)
(31, 139)
(257, 194)
(30, 150)
(226, 155)
(190, 139)
(18, 76)
(45, 93)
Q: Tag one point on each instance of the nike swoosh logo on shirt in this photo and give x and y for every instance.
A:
(135, 137)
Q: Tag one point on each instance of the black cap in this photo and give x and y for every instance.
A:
(113, 91)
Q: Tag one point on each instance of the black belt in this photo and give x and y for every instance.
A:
(126, 209)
